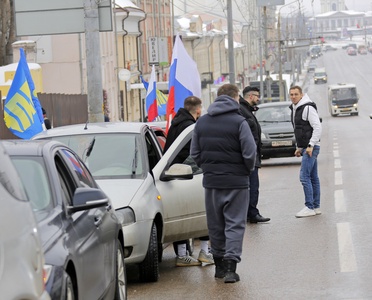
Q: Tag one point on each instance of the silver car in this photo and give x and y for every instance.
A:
(21, 253)
(153, 204)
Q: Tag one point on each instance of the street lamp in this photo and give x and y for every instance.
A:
(281, 92)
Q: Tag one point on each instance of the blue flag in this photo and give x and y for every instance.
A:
(22, 110)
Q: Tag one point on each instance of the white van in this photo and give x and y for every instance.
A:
(343, 99)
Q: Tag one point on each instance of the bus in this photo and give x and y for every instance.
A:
(343, 99)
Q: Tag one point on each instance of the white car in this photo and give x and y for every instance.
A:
(157, 203)
(21, 253)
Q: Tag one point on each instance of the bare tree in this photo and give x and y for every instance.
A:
(7, 31)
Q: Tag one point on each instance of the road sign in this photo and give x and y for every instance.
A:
(43, 17)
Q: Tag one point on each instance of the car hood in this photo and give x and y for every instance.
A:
(276, 127)
(120, 191)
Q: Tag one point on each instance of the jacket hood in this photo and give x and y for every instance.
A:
(305, 99)
(222, 105)
(181, 116)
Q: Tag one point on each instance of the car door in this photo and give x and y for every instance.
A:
(95, 230)
(183, 200)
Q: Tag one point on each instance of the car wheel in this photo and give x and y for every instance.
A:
(70, 294)
(121, 275)
(149, 268)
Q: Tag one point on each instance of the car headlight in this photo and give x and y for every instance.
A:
(126, 216)
(263, 136)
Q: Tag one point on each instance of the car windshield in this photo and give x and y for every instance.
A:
(34, 177)
(107, 156)
(273, 114)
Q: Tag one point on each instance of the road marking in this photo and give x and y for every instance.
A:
(338, 177)
(340, 206)
(337, 164)
(345, 248)
(336, 153)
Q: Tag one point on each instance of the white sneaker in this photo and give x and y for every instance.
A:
(205, 258)
(317, 211)
(305, 212)
(187, 261)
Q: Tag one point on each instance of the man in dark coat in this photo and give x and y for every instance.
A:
(223, 146)
(248, 104)
(185, 117)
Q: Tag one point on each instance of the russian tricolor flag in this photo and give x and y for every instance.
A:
(184, 79)
(151, 103)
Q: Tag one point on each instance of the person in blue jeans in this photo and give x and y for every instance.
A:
(307, 129)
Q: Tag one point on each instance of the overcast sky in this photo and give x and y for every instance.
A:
(313, 6)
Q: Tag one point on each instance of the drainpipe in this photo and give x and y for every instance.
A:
(139, 66)
(125, 86)
(219, 52)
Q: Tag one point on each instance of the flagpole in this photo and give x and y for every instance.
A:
(230, 33)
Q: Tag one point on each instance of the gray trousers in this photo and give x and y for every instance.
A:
(226, 218)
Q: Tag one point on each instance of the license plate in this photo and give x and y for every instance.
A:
(345, 109)
(281, 143)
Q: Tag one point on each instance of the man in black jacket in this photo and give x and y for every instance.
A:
(185, 117)
(248, 104)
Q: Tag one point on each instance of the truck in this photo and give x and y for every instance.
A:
(271, 88)
(320, 75)
(343, 99)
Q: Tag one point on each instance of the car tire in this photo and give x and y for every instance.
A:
(121, 274)
(149, 268)
(70, 292)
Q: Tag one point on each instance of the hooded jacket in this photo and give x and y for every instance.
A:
(223, 146)
(306, 122)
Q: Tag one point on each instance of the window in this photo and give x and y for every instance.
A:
(35, 180)
(80, 170)
(9, 178)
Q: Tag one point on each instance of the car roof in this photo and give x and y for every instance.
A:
(92, 128)
(28, 147)
(341, 85)
(274, 104)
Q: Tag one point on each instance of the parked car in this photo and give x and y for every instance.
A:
(81, 235)
(155, 208)
(21, 255)
(351, 51)
(277, 136)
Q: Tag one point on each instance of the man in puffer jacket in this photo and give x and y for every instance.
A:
(223, 146)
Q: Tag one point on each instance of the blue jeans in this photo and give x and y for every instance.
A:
(309, 178)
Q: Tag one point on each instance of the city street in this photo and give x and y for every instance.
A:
(322, 257)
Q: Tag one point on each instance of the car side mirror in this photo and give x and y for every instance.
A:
(177, 171)
(87, 198)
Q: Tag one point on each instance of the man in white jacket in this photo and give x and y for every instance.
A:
(307, 129)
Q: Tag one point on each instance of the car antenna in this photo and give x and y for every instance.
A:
(86, 125)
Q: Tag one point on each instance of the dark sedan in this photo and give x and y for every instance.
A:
(277, 136)
(81, 235)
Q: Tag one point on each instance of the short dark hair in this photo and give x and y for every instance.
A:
(229, 90)
(248, 89)
(296, 87)
(191, 103)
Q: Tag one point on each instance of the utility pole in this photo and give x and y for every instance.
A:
(93, 60)
(230, 34)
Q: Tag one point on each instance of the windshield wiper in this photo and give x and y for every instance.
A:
(134, 162)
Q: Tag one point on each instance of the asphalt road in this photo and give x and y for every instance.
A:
(322, 257)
